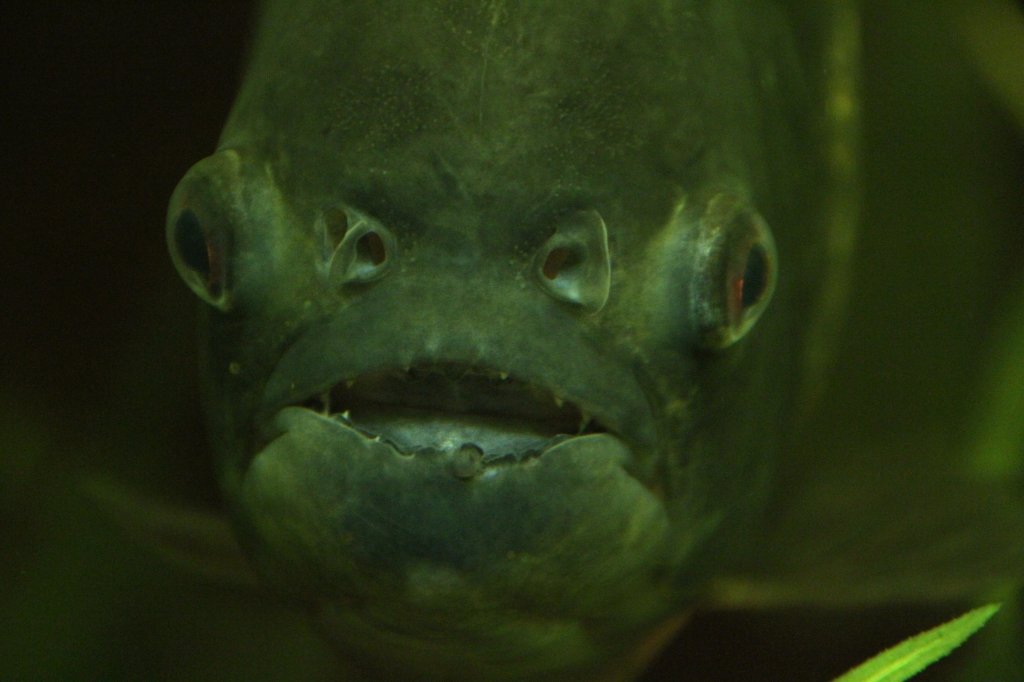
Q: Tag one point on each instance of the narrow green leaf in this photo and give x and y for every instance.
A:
(913, 655)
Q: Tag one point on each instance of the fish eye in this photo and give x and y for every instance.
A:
(735, 274)
(200, 227)
(195, 252)
(749, 283)
(199, 241)
(198, 251)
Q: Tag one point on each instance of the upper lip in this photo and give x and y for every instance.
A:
(521, 375)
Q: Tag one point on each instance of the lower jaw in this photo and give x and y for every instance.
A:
(331, 515)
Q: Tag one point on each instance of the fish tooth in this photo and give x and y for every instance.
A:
(345, 414)
(325, 402)
(559, 402)
(349, 383)
(503, 376)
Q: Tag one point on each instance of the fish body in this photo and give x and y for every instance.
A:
(504, 309)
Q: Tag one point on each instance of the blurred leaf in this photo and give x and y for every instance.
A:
(993, 33)
(913, 655)
(894, 533)
(199, 541)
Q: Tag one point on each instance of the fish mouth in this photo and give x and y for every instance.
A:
(478, 470)
(485, 415)
(443, 482)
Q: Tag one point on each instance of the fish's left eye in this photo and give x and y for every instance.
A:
(735, 274)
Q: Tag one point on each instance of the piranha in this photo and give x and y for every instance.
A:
(505, 316)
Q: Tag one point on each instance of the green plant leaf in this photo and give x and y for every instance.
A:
(913, 655)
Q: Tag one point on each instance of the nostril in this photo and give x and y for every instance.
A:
(364, 251)
(371, 249)
(335, 226)
(573, 265)
(559, 259)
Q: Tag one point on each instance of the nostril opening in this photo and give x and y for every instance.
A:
(366, 248)
(573, 264)
(559, 258)
(335, 227)
(370, 247)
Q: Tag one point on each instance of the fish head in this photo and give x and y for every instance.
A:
(479, 345)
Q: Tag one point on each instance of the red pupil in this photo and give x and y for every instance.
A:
(737, 294)
(748, 288)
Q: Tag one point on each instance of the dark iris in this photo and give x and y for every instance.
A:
(755, 276)
(191, 240)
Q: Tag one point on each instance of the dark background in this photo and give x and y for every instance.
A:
(106, 104)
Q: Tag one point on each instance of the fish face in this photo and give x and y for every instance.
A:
(481, 363)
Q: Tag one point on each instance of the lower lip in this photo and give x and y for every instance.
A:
(411, 430)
